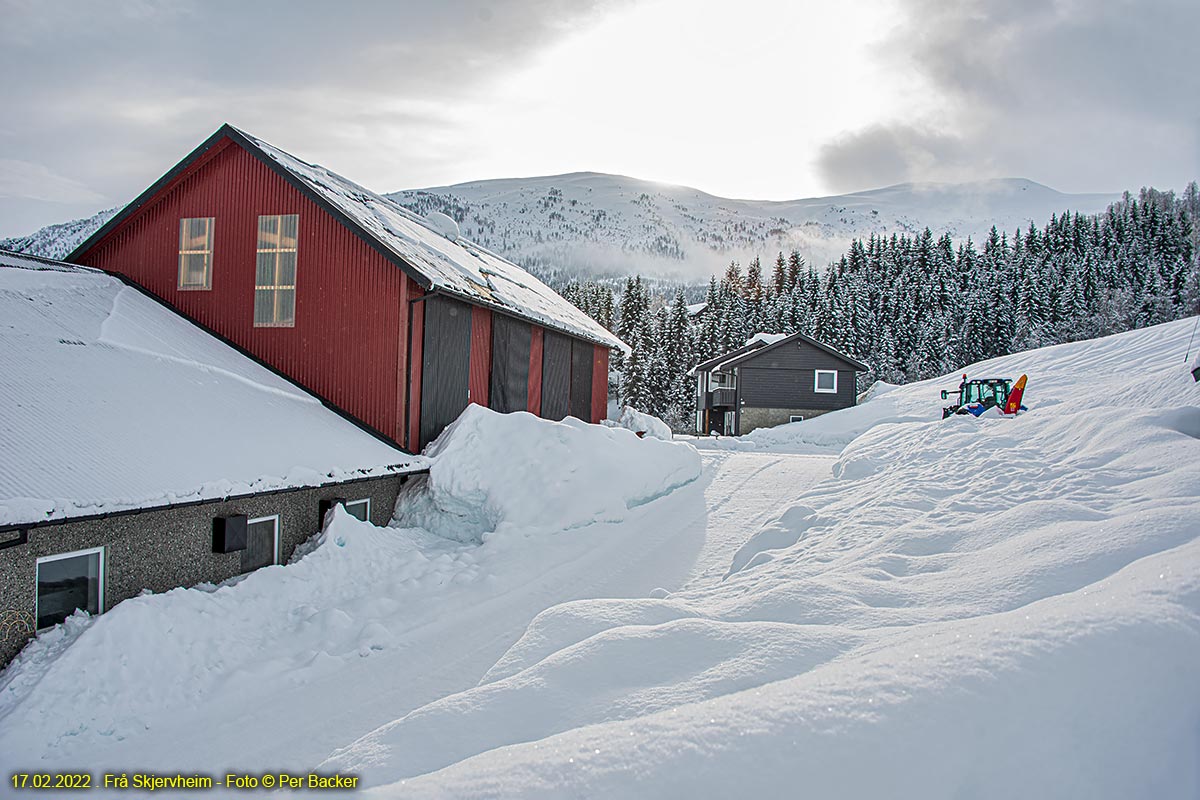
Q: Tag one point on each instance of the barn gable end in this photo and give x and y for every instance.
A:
(368, 275)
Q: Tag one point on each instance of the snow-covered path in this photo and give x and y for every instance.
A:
(745, 490)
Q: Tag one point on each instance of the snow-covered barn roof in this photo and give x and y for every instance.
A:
(457, 267)
(113, 402)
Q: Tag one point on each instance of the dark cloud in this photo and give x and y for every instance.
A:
(108, 95)
(1085, 95)
(882, 155)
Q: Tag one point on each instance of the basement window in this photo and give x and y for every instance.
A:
(275, 271)
(825, 381)
(68, 582)
(195, 253)
(795, 418)
(359, 509)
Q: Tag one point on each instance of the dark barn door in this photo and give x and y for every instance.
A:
(509, 389)
(581, 379)
(445, 364)
(556, 375)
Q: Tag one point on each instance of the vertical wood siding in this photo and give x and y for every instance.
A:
(599, 384)
(408, 289)
(481, 355)
(344, 346)
(581, 379)
(445, 368)
(785, 377)
(415, 360)
(556, 375)
(510, 364)
(535, 369)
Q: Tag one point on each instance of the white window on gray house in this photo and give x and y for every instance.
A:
(825, 381)
(795, 418)
(275, 271)
(195, 253)
(262, 543)
(359, 509)
(68, 582)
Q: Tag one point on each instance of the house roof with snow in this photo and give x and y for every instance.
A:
(112, 402)
(438, 262)
(762, 342)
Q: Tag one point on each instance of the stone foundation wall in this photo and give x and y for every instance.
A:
(752, 418)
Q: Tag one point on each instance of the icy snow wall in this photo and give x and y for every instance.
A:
(494, 473)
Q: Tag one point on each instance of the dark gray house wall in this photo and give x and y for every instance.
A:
(784, 388)
(161, 549)
(778, 382)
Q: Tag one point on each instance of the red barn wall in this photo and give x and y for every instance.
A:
(480, 371)
(535, 370)
(348, 345)
(599, 384)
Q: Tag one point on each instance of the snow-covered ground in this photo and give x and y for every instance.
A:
(984, 608)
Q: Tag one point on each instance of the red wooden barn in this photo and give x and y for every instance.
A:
(388, 317)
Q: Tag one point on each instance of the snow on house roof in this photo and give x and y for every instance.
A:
(113, 402)
(459, 267)
(767, 338)
(762, 341)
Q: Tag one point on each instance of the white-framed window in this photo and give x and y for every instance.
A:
(721, 380)
(262, 543)
(66, 582)
(275, 271)
(359, 509)
(195, 253)
(795, 418)
(825, 381)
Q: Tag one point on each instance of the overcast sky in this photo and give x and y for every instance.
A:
(770, 99)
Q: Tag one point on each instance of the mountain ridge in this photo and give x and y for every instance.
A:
(597, 223)
(587, 224)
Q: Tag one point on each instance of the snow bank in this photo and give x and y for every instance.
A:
(516, 472)
(831, 432)
(644, 424)
(364, 618)
(155, 655)
(986, 608)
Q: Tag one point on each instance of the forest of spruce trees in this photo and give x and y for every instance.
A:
(915, 307)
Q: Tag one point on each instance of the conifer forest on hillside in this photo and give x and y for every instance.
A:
(921, 306)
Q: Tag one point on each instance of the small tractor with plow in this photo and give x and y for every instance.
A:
(981, 394)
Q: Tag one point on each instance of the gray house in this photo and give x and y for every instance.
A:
(141, 452)
(772, 380)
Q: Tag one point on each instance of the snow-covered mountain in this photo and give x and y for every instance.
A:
(591, 223)
(55, 241)
(588, 223)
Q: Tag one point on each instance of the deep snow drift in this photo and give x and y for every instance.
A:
(971, 608)
(984, 608)
(369, 621)
(494, 472)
